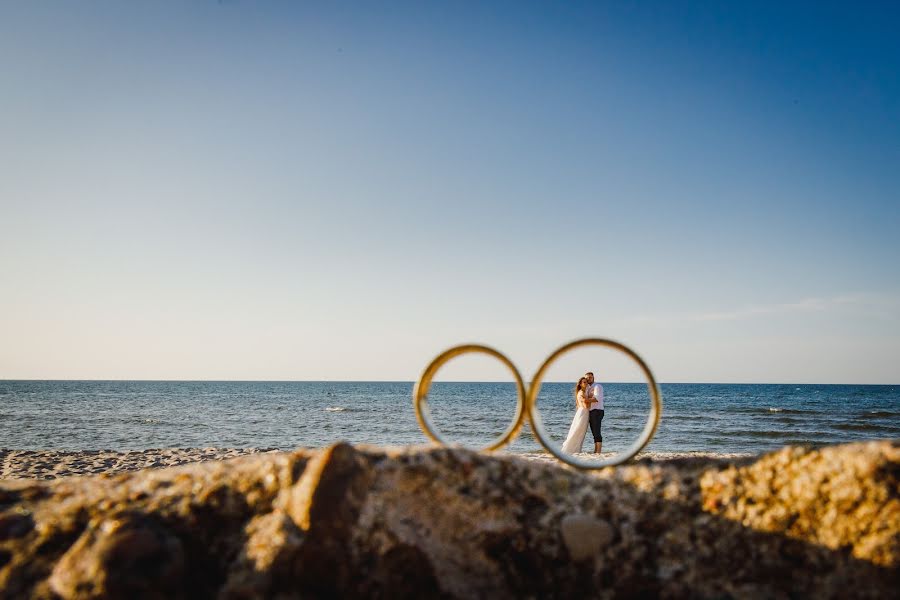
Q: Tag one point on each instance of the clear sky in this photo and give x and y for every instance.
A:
(261, 190)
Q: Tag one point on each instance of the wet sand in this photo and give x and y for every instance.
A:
(53, 464)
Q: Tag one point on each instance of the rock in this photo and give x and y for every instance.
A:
(446, 522)
(584, 536)
(129, 556)
(14, 525)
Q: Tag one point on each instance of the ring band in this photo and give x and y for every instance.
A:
(420, 395)
(650, 427)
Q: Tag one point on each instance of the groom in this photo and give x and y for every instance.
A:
(595, 416)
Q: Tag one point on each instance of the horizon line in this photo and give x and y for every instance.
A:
(5, 380)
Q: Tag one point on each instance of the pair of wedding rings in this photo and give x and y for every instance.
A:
(526, 405)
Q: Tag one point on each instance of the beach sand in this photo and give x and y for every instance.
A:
(654, 456)
(53, 464)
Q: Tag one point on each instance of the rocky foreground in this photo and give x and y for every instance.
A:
(450, 523)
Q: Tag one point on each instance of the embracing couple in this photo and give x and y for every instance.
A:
(588, 410)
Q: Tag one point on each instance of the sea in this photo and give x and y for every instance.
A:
(709, 418)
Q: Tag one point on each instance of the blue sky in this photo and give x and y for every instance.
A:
(244, 190)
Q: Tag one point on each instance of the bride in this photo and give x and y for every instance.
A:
(575, 439)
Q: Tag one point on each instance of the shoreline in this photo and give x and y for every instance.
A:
(56, 464)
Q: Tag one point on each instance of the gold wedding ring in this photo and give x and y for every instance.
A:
(647, 434)
(526, 405)
(420, 395)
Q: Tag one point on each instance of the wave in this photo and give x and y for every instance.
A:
(865, 427)
(755, 410)
(335, 409)
(879, 414)
(759, 433)
(803, 442)
(144, 421)
(789, 420)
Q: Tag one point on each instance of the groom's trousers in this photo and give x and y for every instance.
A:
(595, 418)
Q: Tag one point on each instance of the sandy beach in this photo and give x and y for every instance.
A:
(654, 456)
(54, 464)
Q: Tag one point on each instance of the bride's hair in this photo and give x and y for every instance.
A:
(578, 387)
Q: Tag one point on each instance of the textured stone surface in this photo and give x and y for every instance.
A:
(584, 536)
(450, 523)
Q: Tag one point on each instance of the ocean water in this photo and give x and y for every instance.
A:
(134, 415)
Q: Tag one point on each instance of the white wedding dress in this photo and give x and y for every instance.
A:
(575, 439)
